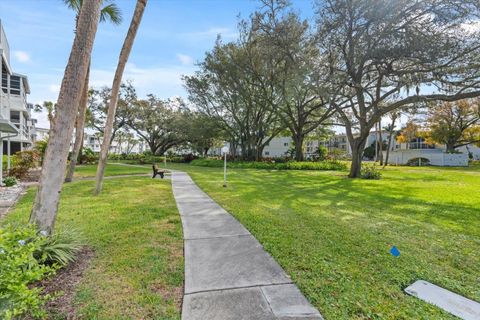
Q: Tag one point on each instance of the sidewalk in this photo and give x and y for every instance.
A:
(228, 274)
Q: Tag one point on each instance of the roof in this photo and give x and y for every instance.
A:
(7, 127)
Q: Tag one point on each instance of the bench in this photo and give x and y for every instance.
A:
(157, 171)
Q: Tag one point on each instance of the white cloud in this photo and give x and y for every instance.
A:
(54, 88)
(21, 56)
(164, 82)
(184, 59)
(225, 33)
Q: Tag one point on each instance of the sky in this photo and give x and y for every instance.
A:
(173, 36)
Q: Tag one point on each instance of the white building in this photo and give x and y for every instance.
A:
(14, 109)
(278, 147)
(93, 142)
(41, 134)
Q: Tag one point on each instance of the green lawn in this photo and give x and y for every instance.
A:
(135, 230)
(112, 169)
(333, 234)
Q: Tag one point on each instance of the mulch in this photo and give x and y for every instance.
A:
(63, 286)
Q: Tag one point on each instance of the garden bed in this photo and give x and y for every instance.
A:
(290, 165)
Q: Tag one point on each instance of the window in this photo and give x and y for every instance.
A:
(15, 116)
(267, 153)
(15, 85)
(285, 144)
(4, 81)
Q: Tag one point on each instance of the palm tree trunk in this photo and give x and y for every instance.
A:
(380, 144)
(390, 136)
(117, 80)
(45, 207)
(79, 129)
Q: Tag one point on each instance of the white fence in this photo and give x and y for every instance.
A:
(436, 157)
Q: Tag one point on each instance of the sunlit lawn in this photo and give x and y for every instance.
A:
(333, 234)
(111, 169)
(135, 230)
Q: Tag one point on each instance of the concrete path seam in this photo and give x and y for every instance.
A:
(228, 273)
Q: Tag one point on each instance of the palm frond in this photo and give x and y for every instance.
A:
(75, 5)
(112, 13)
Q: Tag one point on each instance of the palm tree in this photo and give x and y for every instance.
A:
(110, 13)
(112, 106)
(44, 211)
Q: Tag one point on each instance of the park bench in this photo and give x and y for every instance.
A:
(157, 171)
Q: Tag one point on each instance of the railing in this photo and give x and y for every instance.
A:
(420, 145)
(23, 130)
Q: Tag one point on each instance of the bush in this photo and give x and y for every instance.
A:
(88, 156)
(23, 162)
(19, 269)
(370, 171)
(416, 162)
(187, 158)
(10, 181)
(291, 165)
(322, 153)
(41, 147)
(61, 247)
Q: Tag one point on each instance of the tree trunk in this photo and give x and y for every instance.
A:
(117, 80)
(450, 147)
(357, 145)
(298, 139)
(80, 152)
(380, 142)
(79, 129)
(45, 207)
(390, 136)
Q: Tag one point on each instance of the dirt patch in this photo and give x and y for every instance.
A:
(176, 294)
(33, 175)
(63, 286)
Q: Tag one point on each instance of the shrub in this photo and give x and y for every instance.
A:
(19, 269)
(88, 156)
(187, 158)
(337, 154)
(23, 162)
(291, 165)
(322, 153)
(370, 172)
(41, 147)
(61, 247)
(416, 162)
(10, 181)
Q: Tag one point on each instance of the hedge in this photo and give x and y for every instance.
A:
(291, 165)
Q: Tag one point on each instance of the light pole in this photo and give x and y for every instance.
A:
(225, 152)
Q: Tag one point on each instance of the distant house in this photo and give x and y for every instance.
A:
(418, 150)
(400, 153)
(93, 142)
(41, 134)
(15, 111)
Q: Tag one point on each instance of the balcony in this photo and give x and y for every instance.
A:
(420, 145)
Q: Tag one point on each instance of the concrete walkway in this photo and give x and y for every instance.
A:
(228, 274)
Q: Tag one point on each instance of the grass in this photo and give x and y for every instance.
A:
(112, 169)
(333, 234)
(137, 272)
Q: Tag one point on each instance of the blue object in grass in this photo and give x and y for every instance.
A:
(394, 251)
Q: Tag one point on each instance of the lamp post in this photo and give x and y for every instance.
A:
(225, 152)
